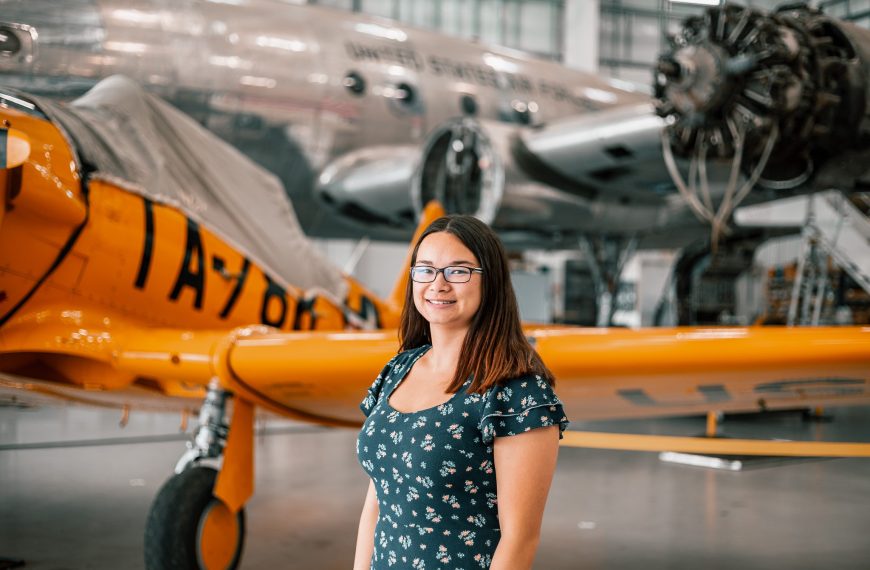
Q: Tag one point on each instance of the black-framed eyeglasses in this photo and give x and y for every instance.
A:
(452, 274)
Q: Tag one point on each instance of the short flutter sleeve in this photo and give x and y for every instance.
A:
(521, 405)
(376, 389)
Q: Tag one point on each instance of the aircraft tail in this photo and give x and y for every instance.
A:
(430, 213)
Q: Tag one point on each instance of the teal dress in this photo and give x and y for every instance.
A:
(434, 471)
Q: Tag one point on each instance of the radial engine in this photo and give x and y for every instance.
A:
(783, 95)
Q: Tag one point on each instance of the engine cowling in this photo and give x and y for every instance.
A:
(462, 169)
(736, 76)
(371, 183)
(468, 165)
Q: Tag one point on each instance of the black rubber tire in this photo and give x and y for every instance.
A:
(171, 532)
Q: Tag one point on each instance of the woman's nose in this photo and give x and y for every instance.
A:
(440, 282)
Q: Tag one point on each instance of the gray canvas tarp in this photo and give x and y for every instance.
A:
(142, 143)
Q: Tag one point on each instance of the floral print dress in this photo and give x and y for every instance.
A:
(434, 471)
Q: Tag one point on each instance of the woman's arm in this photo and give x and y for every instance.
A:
(524, 467)
(365, 536)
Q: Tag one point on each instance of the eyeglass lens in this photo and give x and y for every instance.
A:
(426, 274)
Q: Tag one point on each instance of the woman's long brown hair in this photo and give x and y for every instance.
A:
(495, 348)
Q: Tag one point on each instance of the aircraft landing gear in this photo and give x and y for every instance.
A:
(606, 257)
(189, 526)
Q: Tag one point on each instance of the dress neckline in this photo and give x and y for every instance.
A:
(407, 371)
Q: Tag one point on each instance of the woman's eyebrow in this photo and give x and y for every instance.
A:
(452, 263)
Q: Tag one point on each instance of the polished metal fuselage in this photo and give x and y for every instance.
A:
(299, 87)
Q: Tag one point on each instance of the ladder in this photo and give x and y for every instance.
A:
(832, 228)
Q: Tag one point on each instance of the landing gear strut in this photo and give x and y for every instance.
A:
(188, 527)
(606, 257)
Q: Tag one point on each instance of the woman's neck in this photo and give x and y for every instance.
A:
(446, 348)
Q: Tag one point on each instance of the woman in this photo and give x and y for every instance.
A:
(462, 426)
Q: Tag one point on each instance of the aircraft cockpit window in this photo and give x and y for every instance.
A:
(354, 83)
(10, 101)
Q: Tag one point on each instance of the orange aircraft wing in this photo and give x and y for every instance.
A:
(601, 373)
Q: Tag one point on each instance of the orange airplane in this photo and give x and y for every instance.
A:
(145, 264)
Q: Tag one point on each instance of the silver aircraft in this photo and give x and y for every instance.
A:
(365, 120)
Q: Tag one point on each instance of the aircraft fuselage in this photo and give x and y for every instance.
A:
(297, 87)
(85, 261)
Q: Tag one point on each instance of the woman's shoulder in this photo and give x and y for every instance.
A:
(401, 361)
(520, 404)
(520, 393)
(393, 369)
(408, 356)
(411, 352)
(523, 383)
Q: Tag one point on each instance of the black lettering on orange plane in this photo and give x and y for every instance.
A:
(147, 246)
(367, 309)
(303, 307)
(237, 290)
(186, 276)
(273, 291)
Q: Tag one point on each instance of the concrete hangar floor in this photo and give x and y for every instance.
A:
(75, 491)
